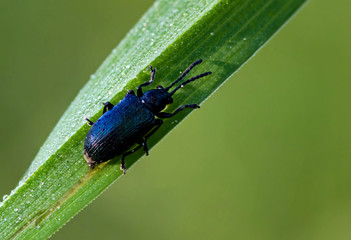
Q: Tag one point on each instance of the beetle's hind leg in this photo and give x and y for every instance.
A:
(107, 106)
(139, 90)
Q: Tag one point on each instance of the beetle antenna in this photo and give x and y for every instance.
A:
(190, 80)
(184, 73)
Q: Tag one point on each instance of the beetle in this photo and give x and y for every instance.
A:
(132, 121)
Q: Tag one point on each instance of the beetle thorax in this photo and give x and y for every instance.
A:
(156, 99)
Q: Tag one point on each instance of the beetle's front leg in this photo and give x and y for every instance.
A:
(168, 115)
(107, 106)
(139, 90)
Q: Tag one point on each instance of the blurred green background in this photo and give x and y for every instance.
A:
(266, 157)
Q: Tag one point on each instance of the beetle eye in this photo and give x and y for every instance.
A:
(159, 87)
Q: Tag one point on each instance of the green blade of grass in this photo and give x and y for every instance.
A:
(170, 36)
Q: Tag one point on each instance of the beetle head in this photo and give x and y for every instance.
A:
(157, 99)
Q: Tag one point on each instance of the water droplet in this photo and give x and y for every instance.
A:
(5, 197)
(212, 33)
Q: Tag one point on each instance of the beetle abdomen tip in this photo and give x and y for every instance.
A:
(91, 162)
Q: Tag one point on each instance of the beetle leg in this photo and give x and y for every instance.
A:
(90, 123)
(168, 115)
(145, 147)
(123, 166)
(143, 143)
(158, 124)
(131, 92)
(107, 106)
(139, 90)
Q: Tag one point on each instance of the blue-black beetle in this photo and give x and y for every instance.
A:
(132, 121)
